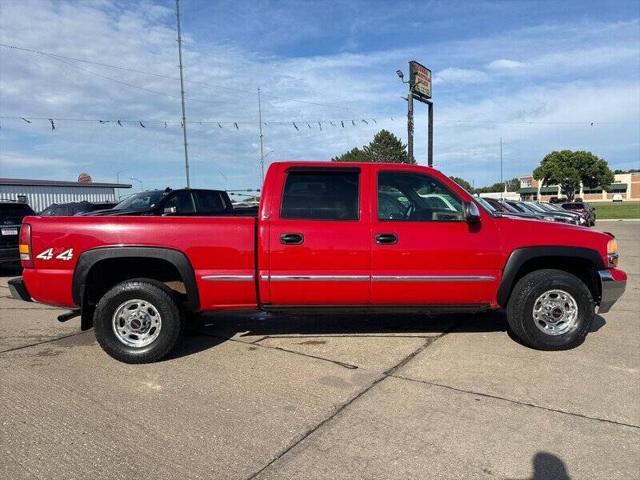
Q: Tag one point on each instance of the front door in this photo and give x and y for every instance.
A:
(423, 250)
(319, 250)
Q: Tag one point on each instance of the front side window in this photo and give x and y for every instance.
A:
(409, 196)
(321, 195)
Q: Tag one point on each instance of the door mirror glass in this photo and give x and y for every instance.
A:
(471, 212)
(170, 210)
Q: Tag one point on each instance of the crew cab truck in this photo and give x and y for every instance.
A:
(327, 236)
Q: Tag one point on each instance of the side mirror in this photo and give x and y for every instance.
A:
(471, 212)
(170, 210)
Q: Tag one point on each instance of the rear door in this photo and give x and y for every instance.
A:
(423, 250)
(319, 238)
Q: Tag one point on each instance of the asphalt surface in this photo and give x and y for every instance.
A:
(256, 396)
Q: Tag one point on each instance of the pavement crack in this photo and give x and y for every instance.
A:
(316, 357)
(429, 341)
(41, 343)
(517, 402)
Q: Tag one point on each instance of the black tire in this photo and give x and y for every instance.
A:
(521, 305)
(161, 298)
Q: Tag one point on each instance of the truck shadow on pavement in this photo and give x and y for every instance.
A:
(212, 329)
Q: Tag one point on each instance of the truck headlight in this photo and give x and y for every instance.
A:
(612, 252)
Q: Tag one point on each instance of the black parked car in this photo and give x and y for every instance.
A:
(176, 202)
(11, 215)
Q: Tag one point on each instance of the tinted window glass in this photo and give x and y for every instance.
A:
(321, 195)
(13, 213)
(182, 202)
(416, 197)
(141, 201)
(210, 202)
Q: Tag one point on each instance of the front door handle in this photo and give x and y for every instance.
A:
(386, 239)
(292, 239)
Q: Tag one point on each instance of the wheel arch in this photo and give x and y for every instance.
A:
(582, 262)
(163, 264)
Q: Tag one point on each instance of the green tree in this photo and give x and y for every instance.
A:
(512, 186)
(463, 183)
(385, 147)
(568, 169)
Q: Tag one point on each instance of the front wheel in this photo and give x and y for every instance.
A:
(138, 321)
(550, 310)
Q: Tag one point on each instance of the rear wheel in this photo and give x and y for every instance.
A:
(550, 310)
(138, 321)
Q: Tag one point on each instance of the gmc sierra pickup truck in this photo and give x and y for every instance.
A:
(327, 236)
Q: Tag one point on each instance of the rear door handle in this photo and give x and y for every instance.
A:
(386, 239)
(292, 239)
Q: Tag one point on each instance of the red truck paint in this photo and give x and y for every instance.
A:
(239, 262)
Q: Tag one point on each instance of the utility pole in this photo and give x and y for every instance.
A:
(501, 175)
(261, 141)
(184, 115)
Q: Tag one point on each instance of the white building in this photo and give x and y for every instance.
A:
(39, 194)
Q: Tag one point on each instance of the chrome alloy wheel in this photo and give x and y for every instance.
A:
(136, 323)
(555, 312)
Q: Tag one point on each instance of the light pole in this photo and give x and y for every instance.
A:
(118, 182)
(409, 117)
(133, 179)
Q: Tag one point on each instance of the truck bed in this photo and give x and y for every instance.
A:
(216, 247)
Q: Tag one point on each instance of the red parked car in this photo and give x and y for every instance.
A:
(350, 236)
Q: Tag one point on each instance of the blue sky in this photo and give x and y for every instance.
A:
(535, 73)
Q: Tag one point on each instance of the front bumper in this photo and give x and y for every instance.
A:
(612, 288)
(19, 290)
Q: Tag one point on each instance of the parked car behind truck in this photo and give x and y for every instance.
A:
(327, 236)
(11, 215)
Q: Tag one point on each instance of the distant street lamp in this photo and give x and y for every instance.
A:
(133, 179)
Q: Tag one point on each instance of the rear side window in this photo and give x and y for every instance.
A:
(209, 203)
(322, 195)
(182, 203)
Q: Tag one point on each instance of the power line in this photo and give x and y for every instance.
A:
(59, 57)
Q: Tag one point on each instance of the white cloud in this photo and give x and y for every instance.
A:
(454, 75)
(505, 64)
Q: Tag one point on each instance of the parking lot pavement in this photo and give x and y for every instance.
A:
(382, 396)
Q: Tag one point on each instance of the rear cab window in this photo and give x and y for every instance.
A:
(322, 194)
(210, 202)
(13, 213)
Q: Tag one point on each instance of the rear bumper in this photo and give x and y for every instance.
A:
(613, 283)
(9, 254)
(19, 290)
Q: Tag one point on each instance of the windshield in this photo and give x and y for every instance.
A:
(487, 206)
(141, 201)
(12, 213)
(484, 204)
(534, 206)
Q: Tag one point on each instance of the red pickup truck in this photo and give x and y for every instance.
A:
(327, 236)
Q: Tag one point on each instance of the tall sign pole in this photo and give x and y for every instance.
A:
(420, 89)
(430, 136)
(261, 137)
(184, 115)
(410, 125)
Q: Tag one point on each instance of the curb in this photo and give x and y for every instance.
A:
(618, 220)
